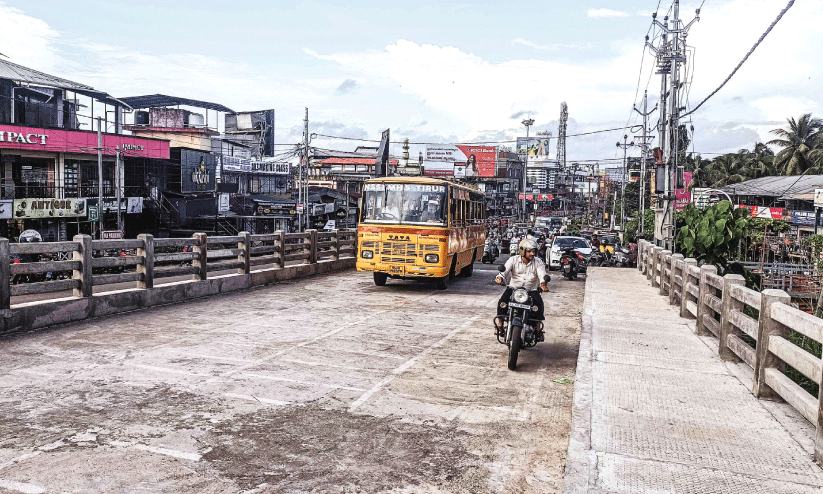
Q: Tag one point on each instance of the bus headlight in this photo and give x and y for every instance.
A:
(520, 295)
(432, 257)
(367, 254)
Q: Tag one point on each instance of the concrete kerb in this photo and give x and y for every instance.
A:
(36, 315)
(581, 460)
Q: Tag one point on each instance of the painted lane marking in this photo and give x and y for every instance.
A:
(169, 370)
(220, 357)
(158, 450)
(308, 342)
(19, 459)
(325, 364)
(405, 366)
(168, 452)
(23, 487)
(257, 399)
(306, 383)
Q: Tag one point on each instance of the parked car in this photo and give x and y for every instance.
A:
(577, 243)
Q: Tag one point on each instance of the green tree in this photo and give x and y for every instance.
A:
(797, 141)
(712, 236)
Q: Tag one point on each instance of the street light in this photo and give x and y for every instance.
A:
(528, 122)
(623, 183)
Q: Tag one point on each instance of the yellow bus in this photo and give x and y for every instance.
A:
(420, 228)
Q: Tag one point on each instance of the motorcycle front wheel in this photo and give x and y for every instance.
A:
(514, 346)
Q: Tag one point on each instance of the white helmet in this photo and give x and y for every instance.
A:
(526, 244)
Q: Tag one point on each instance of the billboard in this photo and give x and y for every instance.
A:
(197, 171)
(537, 148)
(683, 196)
(460, 161)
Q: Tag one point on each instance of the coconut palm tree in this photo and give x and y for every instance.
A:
(796, 141)
(728, 169)
(761, 162)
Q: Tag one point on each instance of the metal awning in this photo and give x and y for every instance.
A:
(162, 100)
(25, 75)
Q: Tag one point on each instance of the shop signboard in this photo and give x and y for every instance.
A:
(235, 164)
(460, 161)
(223, 204)
(818, 198)
(49, 208)
(197, 171)
(803, 218)
(764, 212)
(111, 235)
(683, 196)
(271, 167)
(73, 141)
(94, 214)
(6, 208)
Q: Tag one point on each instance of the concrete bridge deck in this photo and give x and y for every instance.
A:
(321, 384)
(656, 410)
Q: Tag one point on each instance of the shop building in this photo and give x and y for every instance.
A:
(49, 174)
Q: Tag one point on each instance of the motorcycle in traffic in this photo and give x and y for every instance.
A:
(519, 329)
(491, 251)
(572, 262)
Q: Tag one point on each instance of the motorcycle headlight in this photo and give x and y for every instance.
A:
(432, 257)
(367, 254)
(520, 295)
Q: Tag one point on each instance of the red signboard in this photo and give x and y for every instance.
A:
(80, 142)
(764, 212)
(683, 196)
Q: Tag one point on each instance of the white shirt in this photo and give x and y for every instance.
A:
(528, 276)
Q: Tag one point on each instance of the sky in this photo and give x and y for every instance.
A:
(435, 71)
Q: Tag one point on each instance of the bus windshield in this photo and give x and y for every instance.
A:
(403, 203)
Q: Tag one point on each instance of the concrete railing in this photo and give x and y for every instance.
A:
(96, 263)
(750, 326)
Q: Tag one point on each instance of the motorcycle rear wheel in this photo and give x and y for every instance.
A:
(514, 346)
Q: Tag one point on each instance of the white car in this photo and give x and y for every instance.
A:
(579, 243)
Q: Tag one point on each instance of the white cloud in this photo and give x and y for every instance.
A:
(26, 40)
(596, 13)
(549, 47)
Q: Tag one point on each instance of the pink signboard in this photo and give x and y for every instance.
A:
(764, 212)
(73, 141)
(683, 196)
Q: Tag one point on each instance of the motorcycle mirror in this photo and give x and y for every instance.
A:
(501, 268)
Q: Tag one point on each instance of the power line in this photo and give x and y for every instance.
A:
(760, 40)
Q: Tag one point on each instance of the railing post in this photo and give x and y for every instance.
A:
(726, 327)
(684, 292)
(84, 274)
(656, 272)
(312, 246)
(147, 268)
(245, 256)
(766, 327)
(705, 289)
(336, 246)
(5, 275)
(662, 267)
(640, 245)
(202, 249)
(675, 269)
(281, 240)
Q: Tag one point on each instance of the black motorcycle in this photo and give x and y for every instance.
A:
(519, 327)
(491, 251)
(572, 262)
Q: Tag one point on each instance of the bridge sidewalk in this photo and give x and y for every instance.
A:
(656, 410)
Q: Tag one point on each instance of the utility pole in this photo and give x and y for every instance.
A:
(671, 55)
(117, 179)
(644, 157)
(528, 122)
(99, 178)
(304, 164)
(623, 183)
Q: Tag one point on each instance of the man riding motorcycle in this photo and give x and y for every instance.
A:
(527, 271)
